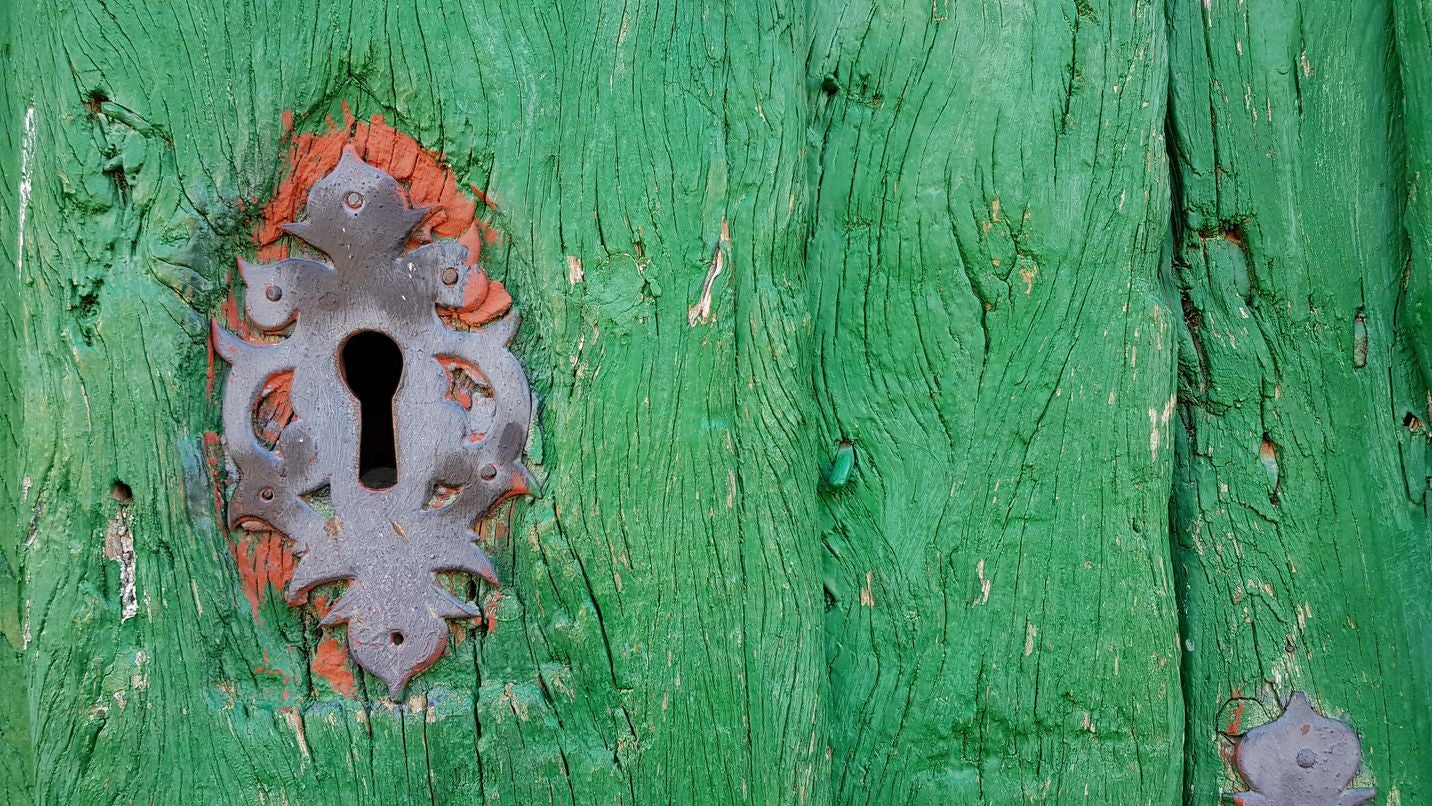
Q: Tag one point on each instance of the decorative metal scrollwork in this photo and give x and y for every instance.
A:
(1302, 758)
(391, 531)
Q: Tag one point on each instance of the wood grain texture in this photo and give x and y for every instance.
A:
(1301, 486)
(16, 767)
(993, 338)
(941, 403)
(653, 640)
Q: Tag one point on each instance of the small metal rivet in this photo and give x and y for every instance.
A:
(266, 493)
(489, 472)
(450, 276)
(1307, 758)
(354, 200)
(273, 293)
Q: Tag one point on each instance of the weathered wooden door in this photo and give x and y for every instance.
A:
(940, 402)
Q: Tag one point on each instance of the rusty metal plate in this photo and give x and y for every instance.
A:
(389, 533)
(1302, 758)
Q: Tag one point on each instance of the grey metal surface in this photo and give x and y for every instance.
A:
(1302, 758)
(388, 544)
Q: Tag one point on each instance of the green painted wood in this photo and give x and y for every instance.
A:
(655, 637)
(1047, 418)
(988, 231)
(16, 764)
(1300, 494)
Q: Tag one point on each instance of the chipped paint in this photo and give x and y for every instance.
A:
(701, 311)
(119, 546)
(27, 153)
(330, 661)
(300, 731)
(264, 560)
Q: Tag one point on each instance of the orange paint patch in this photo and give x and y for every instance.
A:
(465, 379)
(275, 409)
(233, 318)
(483, 301)
(1236, 720)
(519, 488)
(1229, 752)
(330, 658)
(330, 662)
(264, 559)
(494, 601)
(214, 461)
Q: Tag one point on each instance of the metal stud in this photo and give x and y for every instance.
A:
(1301, 758)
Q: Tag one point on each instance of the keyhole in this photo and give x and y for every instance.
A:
(372, 365)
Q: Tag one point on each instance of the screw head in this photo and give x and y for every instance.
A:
(273, 293)
(1307, 758)
(450, 276)
(489, 472)
(266, 493)
(353, 199)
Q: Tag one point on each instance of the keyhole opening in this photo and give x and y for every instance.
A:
(372, 366)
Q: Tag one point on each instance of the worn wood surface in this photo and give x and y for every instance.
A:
(941, 403)
(654, 640)
(16, 765)
(1299, 499)
(987, 236)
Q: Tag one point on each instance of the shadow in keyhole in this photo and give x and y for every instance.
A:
(372, 366)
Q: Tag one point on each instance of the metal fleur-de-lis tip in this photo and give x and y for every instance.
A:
(1302, 758)
(388, 540)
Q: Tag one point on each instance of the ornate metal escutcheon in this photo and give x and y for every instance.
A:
(381, 474)
(1302, 758)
